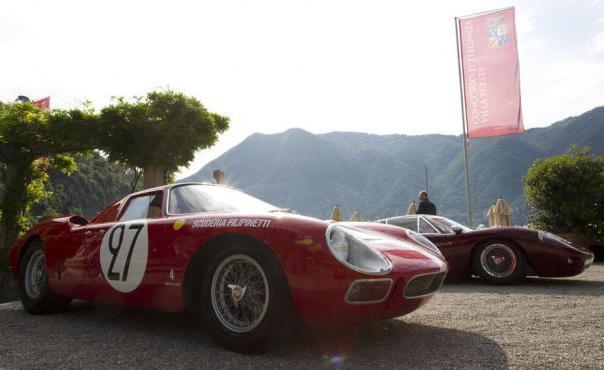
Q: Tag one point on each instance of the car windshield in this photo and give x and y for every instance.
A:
(446, 225)
(196, 198)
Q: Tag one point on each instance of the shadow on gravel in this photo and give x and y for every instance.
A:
(532, 285)
(397, 344)
(92, 336)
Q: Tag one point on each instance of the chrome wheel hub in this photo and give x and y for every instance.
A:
(498, 260)
(239, 293)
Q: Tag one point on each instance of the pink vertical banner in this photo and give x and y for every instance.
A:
(490, 74)
(43, 103)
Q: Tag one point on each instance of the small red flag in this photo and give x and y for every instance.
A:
(491, 74)
(43, 103)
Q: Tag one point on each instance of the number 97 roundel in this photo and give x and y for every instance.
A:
(124, 251)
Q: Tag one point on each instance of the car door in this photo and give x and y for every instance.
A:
(447, 243)
(122, 253)
(67, 254)
(442, 240)
(427, 229)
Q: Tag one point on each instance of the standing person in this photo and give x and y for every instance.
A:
(425, 206)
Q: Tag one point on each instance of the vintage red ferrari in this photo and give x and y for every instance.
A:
(242, 265)
(500, 254)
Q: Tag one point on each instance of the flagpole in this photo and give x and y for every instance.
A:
(426, 177)
(463, 123)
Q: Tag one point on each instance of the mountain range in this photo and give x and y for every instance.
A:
(381, 174)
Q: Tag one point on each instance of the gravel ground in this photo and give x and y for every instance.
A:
(540, 323)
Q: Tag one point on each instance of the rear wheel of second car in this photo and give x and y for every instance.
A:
(499, 261)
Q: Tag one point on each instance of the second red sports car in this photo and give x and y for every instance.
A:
(501, 254)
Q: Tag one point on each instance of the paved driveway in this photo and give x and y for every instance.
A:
(544, 323)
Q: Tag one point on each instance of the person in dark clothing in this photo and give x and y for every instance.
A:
(425, 206)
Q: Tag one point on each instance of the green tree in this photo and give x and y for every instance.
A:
(158, 133)
(31, 141)
(566, 193)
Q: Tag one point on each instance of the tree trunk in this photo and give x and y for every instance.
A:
(12, 205)
(153, 176)
(8, 287)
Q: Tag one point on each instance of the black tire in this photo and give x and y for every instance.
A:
(38, 298)
(253, 338)
(499, 262)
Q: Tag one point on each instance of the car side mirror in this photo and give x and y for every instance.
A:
(457, 230)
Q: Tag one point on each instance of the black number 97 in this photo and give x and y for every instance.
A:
(114, 249)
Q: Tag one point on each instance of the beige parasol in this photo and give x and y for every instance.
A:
(503, 213)
(336, 214)
(412, 209)
(356, 216)
(491, 216)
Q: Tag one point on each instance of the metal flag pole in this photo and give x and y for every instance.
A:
(426, 177)
(463, 122)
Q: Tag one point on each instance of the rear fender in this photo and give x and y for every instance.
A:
(41, 231)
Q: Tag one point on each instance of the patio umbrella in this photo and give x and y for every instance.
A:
(356, 216)
(491, 216)
(412, 209)
(503, 213)
(336, 214)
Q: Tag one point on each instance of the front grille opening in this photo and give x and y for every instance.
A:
(424, 285)
(368, 291)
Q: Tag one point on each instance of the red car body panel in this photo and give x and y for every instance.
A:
(317, 281)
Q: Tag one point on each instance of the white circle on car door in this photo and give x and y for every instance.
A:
(123, 254)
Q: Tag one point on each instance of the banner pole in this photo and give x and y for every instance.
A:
(426, 177)
(463, 123)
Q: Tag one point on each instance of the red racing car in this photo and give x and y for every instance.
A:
(239, 263)
(501, 254)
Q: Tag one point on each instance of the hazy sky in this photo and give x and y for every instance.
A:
(370, 66)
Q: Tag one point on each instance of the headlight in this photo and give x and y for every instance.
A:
(349, 246)
(423, 241)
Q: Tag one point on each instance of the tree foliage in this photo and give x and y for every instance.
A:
(162, 129)
(565, 193)
(31, 141)
(30, 132)
(160, 132)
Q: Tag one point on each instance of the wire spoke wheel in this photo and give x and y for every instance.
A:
(239, 293)
(36, 294)
(498, 260)
(35, 274)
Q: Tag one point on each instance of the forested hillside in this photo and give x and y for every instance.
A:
(381, 175)
(95, 184)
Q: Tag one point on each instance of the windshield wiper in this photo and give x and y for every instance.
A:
(284, 210)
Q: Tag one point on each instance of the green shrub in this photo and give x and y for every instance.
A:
(565, 193)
